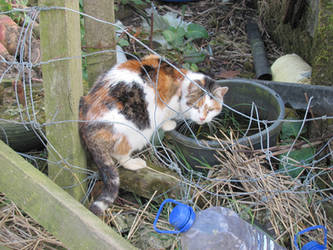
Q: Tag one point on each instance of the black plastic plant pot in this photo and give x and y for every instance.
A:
(241, 96)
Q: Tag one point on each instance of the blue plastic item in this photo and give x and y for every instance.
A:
(179, 1)
(214, 228)
(182, 217)
(312, 245)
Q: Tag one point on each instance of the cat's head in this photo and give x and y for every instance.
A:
(197, 104)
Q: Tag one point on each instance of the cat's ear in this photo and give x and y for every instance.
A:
(148, 73)
(209, 84)
(219, 92)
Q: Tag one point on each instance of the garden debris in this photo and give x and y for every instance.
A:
(282, 204)
(263, 71)
(291, 68)
(229, 74)
(19, 231)
(9, 34)
(161, 23)
(281, 201)
(19, 45)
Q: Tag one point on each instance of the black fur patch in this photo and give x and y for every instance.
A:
(83, 106)
(147, 69)
(132, 98)
(148, 73)
(109, 105)
(210, 84)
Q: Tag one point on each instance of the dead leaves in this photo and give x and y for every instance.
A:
(11, 40)
(228, 74)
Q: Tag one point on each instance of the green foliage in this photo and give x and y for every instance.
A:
(180, 39)
(303, 156)
(16, 16)
(174, 36)
(123, 42)
(196, 31)
(5, 6)
(136, 2)
(290, 130)
(297, 157)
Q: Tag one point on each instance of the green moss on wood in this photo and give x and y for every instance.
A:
(291, 40)
(323, 46)
(311, 39)
(54, 209)
(98, 37)
(60, 38)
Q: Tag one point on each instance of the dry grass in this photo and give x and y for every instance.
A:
(280, 204)
(283, 205)
(19, 231)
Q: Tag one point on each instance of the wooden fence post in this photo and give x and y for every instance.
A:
(60, 38)
(99, 36)
(54, 209)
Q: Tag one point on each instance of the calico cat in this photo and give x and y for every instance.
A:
(129, 102)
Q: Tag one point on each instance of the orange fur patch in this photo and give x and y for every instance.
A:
(217, 105)
(122, 146)
(169, 79)
(196, 96)
(111, 143)
(132, 65)
(97, 104)
(167, 87)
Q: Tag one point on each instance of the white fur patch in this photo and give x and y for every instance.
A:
(134, 164)
(169, 125)
(101, 205)
(116, 75)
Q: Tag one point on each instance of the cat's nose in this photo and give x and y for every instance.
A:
(202, 119)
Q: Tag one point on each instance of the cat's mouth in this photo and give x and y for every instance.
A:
(201, 122)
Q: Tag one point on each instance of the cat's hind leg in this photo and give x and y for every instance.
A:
(109, 193)
(100, 142)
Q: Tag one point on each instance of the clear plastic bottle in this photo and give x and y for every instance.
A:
(215, 228)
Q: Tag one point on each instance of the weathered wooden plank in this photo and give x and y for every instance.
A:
(54, 209)
(99, 36)
(60, 38)
(145, 182)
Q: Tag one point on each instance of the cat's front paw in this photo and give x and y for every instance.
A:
(169, 125)
(134, 164)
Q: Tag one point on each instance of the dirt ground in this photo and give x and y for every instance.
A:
(227, 47)
(227, 55)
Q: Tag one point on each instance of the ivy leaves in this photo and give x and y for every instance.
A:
(181, 39)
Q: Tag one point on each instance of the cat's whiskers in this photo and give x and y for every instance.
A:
(211, 127)
(186, 127)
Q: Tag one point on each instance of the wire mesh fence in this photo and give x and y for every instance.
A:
(269, 183)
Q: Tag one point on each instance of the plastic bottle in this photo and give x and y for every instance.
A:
(214, 228)
(312, 245)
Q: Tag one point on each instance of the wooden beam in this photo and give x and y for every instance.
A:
(60, 38)
(145, 182)
(54, 209)
(98, 37)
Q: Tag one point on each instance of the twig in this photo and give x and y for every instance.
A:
(311, 112)
(151, 29)
(137, 218)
